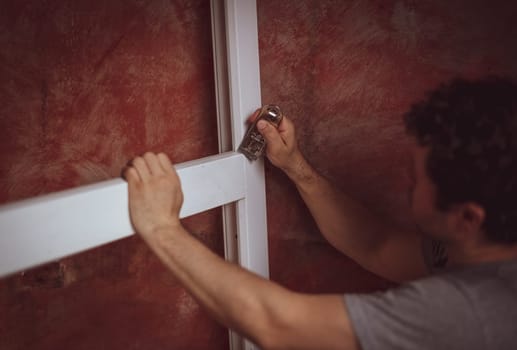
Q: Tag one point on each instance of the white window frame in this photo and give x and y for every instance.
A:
(49, 227)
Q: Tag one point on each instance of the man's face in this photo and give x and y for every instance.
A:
(422, 196)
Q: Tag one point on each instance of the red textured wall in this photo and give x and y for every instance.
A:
(345, 71)
(84, 87)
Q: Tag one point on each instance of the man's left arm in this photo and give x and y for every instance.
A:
(266, 313)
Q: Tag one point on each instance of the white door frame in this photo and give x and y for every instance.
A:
(49, 227)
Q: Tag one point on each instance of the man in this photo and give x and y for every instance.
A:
(462, 261)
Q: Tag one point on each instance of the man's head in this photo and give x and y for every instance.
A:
(465, 161)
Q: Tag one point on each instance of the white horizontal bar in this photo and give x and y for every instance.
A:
(46, 228)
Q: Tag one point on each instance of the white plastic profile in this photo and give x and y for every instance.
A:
(244, 80)
(49, 227)
(236, 65)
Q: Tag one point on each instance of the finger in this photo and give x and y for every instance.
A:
(254, 116)
(270, 133)
(285, 124)
(141, 167)
(130, 175)
(173, 175)
(165, 162)
(167, 166)
(133, 182)
(153, 163)
(287, 131)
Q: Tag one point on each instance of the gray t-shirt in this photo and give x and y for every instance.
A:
(472, 307)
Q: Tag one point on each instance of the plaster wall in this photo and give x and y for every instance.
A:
(84, 86)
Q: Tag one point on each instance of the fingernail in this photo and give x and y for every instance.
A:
(262, 124)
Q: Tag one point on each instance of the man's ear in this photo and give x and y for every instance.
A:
(467, 219)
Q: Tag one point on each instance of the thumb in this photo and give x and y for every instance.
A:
(269, 132)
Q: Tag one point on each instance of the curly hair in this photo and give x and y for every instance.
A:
(470, 128)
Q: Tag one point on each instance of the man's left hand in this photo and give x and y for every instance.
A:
(155, 195)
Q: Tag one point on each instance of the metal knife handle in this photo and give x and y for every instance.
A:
(253, 145)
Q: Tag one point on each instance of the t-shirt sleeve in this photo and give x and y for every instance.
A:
(432, 314)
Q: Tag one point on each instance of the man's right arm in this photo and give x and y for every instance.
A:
(349, 226)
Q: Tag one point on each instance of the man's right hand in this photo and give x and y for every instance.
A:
(282, 149)
(376, 244)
